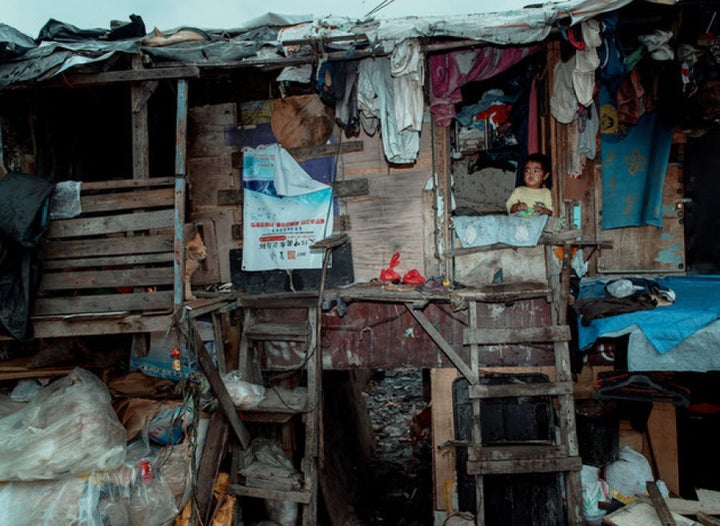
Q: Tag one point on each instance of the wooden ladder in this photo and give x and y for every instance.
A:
(561, 455)
(283, 406)
(293, 318)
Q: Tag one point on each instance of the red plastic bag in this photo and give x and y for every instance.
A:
(413, 277)
(389, 274)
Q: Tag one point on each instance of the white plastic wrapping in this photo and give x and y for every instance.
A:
(118, 497)
(629, 474)
(69, 428)
(243, 394)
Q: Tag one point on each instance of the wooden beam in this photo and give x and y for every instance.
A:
(181, 122)
(218, 387)
(134, 75)
(93, 226)
(140, 93)
(136, 301)
(658, 503)
(441, 162)
(445, 347)
(79, 325)
(341, 189)
(305, 153)
(93, 279)
(212, 456)
(58, 250)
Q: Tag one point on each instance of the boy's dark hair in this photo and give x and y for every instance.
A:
(539, 158)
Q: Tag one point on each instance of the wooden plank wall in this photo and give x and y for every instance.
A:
(210, 171)
(390, 218)
(117, 256)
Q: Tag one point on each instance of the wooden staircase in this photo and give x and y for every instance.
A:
(561, 454)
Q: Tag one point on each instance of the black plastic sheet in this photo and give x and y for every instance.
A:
(24, 204)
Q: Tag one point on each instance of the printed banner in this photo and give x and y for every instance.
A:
(285, 211)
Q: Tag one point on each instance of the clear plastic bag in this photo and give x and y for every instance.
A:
(243, 394)
(69, 428)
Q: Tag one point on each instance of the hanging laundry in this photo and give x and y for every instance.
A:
(586, 62)
(376, 95)
(450, 71)
(408, 72)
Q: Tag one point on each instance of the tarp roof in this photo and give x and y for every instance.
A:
(61, 46)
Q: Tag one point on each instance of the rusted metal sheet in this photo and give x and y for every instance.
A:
(386, 335)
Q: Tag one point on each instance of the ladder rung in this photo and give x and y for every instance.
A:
(281, 400)
(300, 496)
(278, 331)
(519, 389)
(522, 459)
(553, 333)
(303, 299)
(517, 467)
(519, 451)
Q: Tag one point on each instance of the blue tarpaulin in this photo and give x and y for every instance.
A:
(696, 305)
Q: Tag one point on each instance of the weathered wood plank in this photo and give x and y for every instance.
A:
(111, 224)
(212, 456)
(106, 278)
(443, 432)
(659, 504)
(662, 433)
(640, 513)
(304, 153)
(76, 248)
(156, 198)
(301, 497)
(341, 189)
(483, 336)
(218, 387)
(109, 261)
(111, 77)
(44, 328)
(518, 390)
(117, 184)
(137, 301)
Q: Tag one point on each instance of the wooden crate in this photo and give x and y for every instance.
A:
(117, 256)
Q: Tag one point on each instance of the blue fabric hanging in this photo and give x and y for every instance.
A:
(634, 162)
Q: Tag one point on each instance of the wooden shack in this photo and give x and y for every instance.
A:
(157, 131)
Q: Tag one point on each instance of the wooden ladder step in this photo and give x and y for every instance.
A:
(277, 331)
(482, 336)
(479, 391)
(279, 404)
(303, 299)
(495, 460)
(299, 496)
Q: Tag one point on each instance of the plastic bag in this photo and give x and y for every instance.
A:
(413, 277)
(120, 496)
(243, 394)
(629, 473)
(594, 491)
(389, 274)
(68, 428)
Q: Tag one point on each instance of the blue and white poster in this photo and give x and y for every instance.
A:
(285, 211)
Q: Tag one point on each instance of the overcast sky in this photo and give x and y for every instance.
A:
(30, 15)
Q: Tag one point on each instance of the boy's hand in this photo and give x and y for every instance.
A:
(541, 209)
(518, 207)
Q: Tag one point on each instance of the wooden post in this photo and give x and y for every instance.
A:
(180, 172)
(441, 163)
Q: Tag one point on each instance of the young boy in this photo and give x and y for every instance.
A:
(534, 197)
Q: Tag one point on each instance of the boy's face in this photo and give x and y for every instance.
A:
(534, 175)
